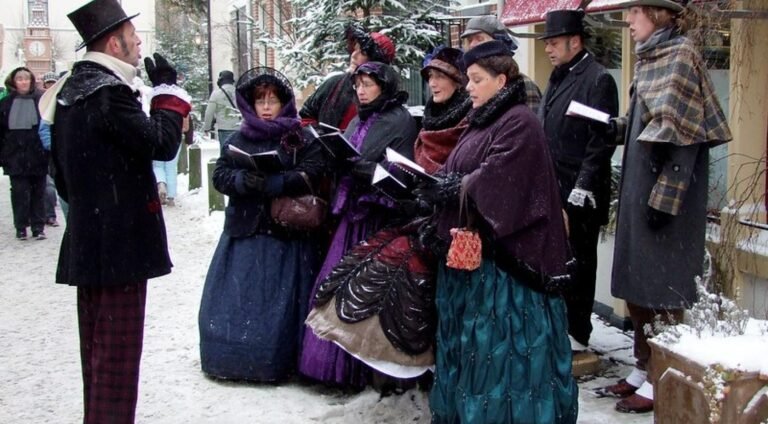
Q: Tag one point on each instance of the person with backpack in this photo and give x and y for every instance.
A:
(221, 109)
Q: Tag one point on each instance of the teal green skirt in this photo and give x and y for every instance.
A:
(503, 354)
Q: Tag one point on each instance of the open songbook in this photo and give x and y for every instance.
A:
(334, 141)
(389, 184)
(268, 161)
(400, 177)
(580, 110)
(408, 166)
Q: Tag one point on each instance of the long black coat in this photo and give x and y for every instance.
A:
(582, 157)
(103, 145)
(333, 103)
(21, 151)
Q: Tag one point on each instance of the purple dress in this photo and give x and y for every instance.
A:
(362, 212)
(323, 360)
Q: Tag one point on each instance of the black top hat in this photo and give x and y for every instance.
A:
(97, 18)
(564, 22)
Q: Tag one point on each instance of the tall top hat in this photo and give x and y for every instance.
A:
(564, 22)
(97, 18)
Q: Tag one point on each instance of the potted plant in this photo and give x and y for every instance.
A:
(713, 368)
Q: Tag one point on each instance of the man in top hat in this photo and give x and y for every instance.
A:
(103, 145)
(221, 108)
(581, 154)
(486, 28)
(333, 102)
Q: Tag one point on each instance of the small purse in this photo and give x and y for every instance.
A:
(466, 250)
(305, 212)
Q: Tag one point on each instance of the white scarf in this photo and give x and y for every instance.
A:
(124, 71)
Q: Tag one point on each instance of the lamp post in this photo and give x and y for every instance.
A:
(210, 49)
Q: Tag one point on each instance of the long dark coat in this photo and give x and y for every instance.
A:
(21, 151)
(581, 156)
(103, 146)
(333, 103)
(656, 268)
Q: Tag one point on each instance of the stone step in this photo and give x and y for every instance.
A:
(585, 363)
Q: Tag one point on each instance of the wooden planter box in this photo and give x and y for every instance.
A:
(681, 396)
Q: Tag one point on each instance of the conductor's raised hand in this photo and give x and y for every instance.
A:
(160, 71)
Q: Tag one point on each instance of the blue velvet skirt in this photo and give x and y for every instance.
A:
(503, 354)
(253, 308)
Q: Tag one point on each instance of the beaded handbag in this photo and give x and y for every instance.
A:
(466, 250)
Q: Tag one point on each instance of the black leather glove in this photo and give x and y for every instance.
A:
(254, 181)
(609, 130)
(657, 219)
(363, 170)
(160, 71)
(412, 208)
(443, 192)
(429, 240)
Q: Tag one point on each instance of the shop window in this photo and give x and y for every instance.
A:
(713, 38)
(605, 44)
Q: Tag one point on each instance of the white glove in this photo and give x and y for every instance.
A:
(579, 195)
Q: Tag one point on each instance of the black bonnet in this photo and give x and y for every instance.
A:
(264, 75)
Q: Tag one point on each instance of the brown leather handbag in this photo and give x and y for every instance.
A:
(305, 212)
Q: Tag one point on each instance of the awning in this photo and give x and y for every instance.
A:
(523, 12)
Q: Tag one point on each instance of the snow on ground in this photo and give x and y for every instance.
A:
(39, 354)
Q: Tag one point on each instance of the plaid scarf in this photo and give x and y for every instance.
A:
(680, 106)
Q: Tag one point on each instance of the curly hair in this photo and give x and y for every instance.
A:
(661, 17)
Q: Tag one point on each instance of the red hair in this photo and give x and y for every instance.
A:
(263, 90)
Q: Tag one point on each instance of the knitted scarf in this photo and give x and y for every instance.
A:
(23, 113)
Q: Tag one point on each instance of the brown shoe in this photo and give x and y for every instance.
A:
(635, 404)
(621, 389)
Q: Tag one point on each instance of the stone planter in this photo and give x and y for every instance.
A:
(688, 392)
